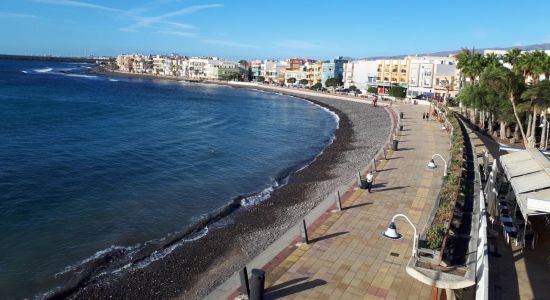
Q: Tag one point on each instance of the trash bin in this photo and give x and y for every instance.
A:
(394, 145)
(363, 183)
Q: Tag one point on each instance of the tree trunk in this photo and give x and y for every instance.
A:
(532, 138)
(503, 128)
(543, 137)
(516, 132)
(517, 119)
(528, 133)
(491, 121)
(508, 130)
(482, 119)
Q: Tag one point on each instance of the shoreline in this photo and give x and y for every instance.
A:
(183, 272)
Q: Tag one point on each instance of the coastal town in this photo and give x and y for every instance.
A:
(420, 77)
(483, 100)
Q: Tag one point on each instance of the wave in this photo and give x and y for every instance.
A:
(44, 70)
(80, 75)
(26, 72)
(113, 80)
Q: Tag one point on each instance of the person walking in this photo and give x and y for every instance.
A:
(423, 116)
(427, 116)
(370, 180)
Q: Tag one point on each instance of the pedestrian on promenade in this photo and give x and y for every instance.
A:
(370, 180)
(427, 116)
(423, 116)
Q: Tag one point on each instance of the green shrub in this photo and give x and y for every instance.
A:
(450, 190)
(372, 90)
(435, 235)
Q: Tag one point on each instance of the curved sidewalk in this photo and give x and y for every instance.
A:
(348, 258)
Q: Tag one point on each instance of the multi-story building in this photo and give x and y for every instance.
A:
(333, 69)
(196, 67)
(298, 74)
(217, 69)
(180, 67)
(256, 69)
(142, 64)
(391, 72)
(314, 72)
(361, 74)
(428, 71)
(273, 70)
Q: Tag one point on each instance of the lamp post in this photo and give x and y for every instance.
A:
(392, 233)
(432, 165)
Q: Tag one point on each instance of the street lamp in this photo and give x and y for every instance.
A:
(432, 165)
(393, 234)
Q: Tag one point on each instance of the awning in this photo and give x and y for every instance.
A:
(523, 168)
(529, 174)
(531, 182)
(535, 203)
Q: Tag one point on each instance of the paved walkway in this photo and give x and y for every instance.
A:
(348, 258)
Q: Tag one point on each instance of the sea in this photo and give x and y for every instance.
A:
(97, 169)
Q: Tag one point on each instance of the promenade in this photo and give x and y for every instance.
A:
(347, 257)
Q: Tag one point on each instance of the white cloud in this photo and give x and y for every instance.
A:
(295, 44)
(79, 4)
(178, 33)
(229, 44)
(4, 14)
(147, 21)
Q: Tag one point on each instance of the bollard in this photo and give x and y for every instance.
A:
(374, 164)
(303, 232)
(359, 178)
(243, 275)
(338, 201)
(394, 145)
(385, 157)
(257, 281)
(400, 127)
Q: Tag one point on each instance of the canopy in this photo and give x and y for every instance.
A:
(529, 174)
(519, 163)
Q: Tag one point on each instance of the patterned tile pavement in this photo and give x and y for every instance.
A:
(347, 257)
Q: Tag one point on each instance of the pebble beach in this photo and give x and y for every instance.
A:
(195, 268)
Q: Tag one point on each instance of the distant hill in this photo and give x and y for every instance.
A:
(545, 46)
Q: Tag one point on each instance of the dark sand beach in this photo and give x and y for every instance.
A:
(195, 268)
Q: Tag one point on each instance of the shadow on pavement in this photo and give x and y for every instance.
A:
(328, 236)
(289, 289)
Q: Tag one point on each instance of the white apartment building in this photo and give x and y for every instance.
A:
(196, 67)
(299, 74)
(360, 73)
(423, 73)
(273, 70)
(221, 70)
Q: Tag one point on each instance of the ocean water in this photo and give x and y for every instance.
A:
(93, 165)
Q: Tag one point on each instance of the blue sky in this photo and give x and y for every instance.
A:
(267, 29)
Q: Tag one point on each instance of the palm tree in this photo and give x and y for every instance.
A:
(513, 57)
(499, 78)
(539, 96)
(471, 64)
(491, 59)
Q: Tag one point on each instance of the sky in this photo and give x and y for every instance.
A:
(250, 29)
